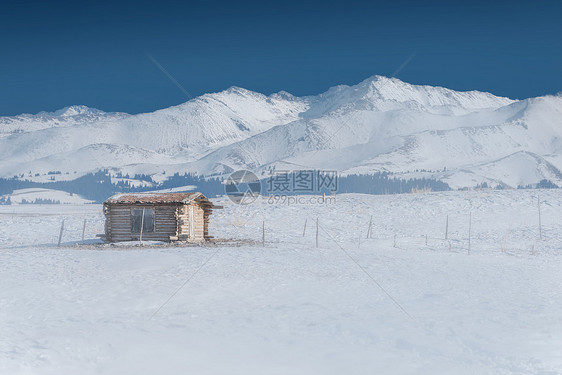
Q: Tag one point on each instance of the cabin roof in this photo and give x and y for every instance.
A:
(155, 198)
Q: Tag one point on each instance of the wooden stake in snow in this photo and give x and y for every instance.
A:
(469, 230)
(304, 230)
(316, 232)
(369, 231)
(539, 205)
(84, 230)
(394, 241)
(142, 227)
(504, 248)
(447, 228)
(60, 234)
(263, 234)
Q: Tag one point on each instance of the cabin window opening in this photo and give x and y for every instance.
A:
(137, 220)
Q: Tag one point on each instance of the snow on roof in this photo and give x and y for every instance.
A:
(154, 197)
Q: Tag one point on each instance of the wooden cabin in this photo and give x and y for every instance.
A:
(157, 217)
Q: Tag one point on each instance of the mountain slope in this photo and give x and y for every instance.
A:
(185, 132)
(65, 117)
(380, 124)
(419, 135)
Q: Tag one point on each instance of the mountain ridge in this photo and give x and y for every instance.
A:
(378, 125)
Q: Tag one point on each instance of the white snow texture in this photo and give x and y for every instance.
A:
(289, 307)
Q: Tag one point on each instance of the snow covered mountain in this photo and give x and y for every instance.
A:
(380, 124)
(64, 117)
(173, 135)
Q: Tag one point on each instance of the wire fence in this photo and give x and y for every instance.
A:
(473, 230)
(455, 232)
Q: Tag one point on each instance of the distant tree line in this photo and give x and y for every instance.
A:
(384, 183)
(95, 186)
(543, 184)
(99, 186)
(40, 201)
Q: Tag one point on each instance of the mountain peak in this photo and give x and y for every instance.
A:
(76, 110)
(284, 95)
(379, 88)
(378, 78)
(239, 91)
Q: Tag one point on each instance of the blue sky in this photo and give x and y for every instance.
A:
(60, 53)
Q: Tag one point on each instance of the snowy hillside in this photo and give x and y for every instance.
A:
(380, 124)
(387, 125)
(184, 132)
(38, 195)
(65, 117)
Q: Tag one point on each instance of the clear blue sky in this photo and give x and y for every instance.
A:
(59, 53)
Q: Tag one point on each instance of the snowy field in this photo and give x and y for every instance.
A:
(390, 304)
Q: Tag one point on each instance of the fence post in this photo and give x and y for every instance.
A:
(469, 230)
(84, 230)
(304, 230)
(317, 232)
(539, 205)
(504, 248)
(141, 228)
(60, 234)
(447, 228)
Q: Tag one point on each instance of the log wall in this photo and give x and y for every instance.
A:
(198, 221)
(170, 221)
(118, 223)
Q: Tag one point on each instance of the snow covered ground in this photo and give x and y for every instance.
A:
(391, 304)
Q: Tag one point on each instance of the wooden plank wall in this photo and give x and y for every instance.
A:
(199, 232)
(206, 213)
(118, 223)
(171, 220)
(182, 215)
(199, 223)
